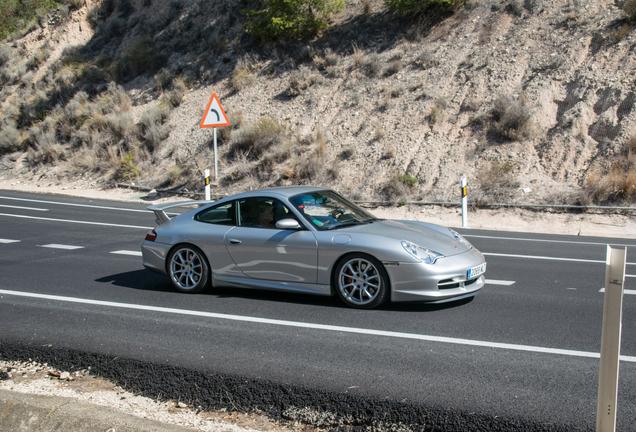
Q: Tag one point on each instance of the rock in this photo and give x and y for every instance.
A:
(65, 375)
(152, 194)
(181, 405)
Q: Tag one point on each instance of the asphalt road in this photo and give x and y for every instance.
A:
(523, 347)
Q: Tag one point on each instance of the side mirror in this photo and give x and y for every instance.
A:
(287, 224)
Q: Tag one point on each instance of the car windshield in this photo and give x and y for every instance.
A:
(327, 210)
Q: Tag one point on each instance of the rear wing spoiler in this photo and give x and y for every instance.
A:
(160, 209)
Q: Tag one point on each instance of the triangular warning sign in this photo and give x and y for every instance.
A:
(214, 115)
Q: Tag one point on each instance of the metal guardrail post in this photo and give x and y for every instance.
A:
(610, 340)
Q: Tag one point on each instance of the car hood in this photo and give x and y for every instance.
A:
(430, 236)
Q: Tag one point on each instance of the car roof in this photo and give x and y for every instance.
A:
(284, 192)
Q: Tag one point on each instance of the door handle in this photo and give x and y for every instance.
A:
(233, 241)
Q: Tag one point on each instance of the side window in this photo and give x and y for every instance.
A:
(262, 212)
(220, 215)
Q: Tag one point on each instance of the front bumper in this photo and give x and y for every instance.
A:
(436, 283)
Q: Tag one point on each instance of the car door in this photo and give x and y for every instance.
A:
(261, 251)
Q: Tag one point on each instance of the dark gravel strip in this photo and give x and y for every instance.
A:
(279, 401)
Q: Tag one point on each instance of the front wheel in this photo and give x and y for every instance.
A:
(188, 269)
(361, 281)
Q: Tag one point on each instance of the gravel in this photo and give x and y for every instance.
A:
(202, 399)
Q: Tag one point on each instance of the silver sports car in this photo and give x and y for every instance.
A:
(311, 240)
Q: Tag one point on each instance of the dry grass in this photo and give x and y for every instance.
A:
(243, 75)
(615, 180)
(254, 140)
(497, 179)
(303, 78)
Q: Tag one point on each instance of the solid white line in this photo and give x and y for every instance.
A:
(546, 241)
(78, 222)
(625, 291)
(127, 252)
(23, 208)
(9, 241)
(499, 282)
(548, 258)
(61, 246)
(75, 205)
(333, 328)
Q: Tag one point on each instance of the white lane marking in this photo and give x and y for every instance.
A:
(127, 252)
(630, 275)
(499, 282)
(625, 291)
(9, 241)
(61, 246)
(548, 258)
(23, 208)
(546, 241)
(75, 205)
(312, 326)
(76, 221)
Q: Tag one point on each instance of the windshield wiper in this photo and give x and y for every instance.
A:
(348, 224)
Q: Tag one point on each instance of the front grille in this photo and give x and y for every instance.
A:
(452, 283)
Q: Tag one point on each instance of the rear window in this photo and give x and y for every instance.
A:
(223, 214)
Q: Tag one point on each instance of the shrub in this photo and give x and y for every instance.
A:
(512, 119)
(10, 138)
(629, 7)
(174, 172)
(302, 79)
(127, 169)
(419, 6)
(255, 139)
(291, 19)
(371, 65)
(141, 58)
(393, 68)
(242, 75)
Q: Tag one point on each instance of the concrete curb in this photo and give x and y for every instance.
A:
(26, 412)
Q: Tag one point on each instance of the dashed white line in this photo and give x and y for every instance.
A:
(548, 258)
(546, 241)
(61, 246)
(313, 326)
(499, 282)
(24, 208)
(75, 205)
(625, 291)
(127, 252)
(77, 222)
(9, 241)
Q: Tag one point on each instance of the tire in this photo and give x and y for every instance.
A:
(188, 269)
(361, 281)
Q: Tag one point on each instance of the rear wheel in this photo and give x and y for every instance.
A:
(188, 269)
(361, 281)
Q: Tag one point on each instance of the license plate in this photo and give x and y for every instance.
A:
(476, 271)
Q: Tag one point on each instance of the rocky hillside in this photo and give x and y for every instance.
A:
(532, 101)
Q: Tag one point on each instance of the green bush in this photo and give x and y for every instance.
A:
(291, 19)
(417, 6)
(14, 11)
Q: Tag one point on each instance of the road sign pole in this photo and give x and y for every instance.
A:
(216, 160)
(610, 340)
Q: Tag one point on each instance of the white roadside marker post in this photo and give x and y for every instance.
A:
(207, 182)
(610, 340)
(464, 204)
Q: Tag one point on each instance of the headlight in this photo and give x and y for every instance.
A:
(427, 256)
(461, 239)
